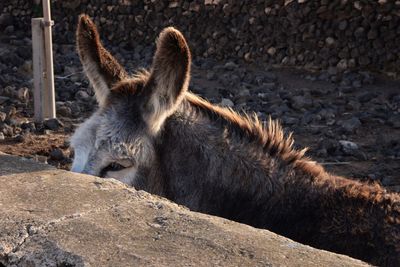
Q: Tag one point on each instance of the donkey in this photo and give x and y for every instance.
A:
(151, 133)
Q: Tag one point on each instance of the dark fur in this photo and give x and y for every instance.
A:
(215, 161)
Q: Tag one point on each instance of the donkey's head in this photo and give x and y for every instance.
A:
(118, 140)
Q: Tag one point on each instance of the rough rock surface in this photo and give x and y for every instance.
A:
(58, 218)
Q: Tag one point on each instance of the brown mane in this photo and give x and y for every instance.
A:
(271, 137)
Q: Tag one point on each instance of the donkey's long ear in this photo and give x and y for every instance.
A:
(169, 78)
(100, 66)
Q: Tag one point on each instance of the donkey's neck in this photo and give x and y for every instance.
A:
(228, 165)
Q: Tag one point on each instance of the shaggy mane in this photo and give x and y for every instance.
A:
(271, 137)
(274, 142)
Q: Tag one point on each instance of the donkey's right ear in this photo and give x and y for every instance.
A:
(100, 66)
(169, 78)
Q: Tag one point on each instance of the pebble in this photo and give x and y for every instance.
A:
(24, 52)
(389, 180)
(76, 110)
(208, 63)
(9, 30)
(270, 76)
(230, 65)
(19, 138)
(5, 19)
(64, 111)
(346, 89)
(271, 51)
(395, 99)
(82, 95)
(353, 105)
(343, 25)
(10, 111)
(28, 126)
(226, 102)
(357, 84)
(366, 97)
(244, 93)
(2, 136)
(342, 65)
(211, 75)
(300, 102)
(4, 99)
(372, 34)
(322, 153)
(53, 124)
(57, 154)
(348, 147)
(6, 130)
(330, 41)
(332, 71)
(331, 147)
(3, 116)
(13, 122)
(290, 120)
(394, 121)
(359, 32)
(23, 94)
(350, 125)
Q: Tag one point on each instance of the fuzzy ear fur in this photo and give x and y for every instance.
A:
(100, 66)
(169, 77)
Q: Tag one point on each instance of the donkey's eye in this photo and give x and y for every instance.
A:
(125, 163)
(113, 167)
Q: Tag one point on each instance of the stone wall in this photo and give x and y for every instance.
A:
(58, 218)
(325, 34)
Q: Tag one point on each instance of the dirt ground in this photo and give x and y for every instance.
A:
(373, 137)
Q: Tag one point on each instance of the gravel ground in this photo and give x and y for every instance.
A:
(350, 121)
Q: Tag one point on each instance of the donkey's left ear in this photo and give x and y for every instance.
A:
(169, 78)
(102, 69)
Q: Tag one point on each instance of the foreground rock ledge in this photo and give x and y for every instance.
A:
(57, 218)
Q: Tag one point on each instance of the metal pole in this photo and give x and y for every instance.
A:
(49, 95)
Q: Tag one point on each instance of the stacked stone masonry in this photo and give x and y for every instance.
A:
(325, 34)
